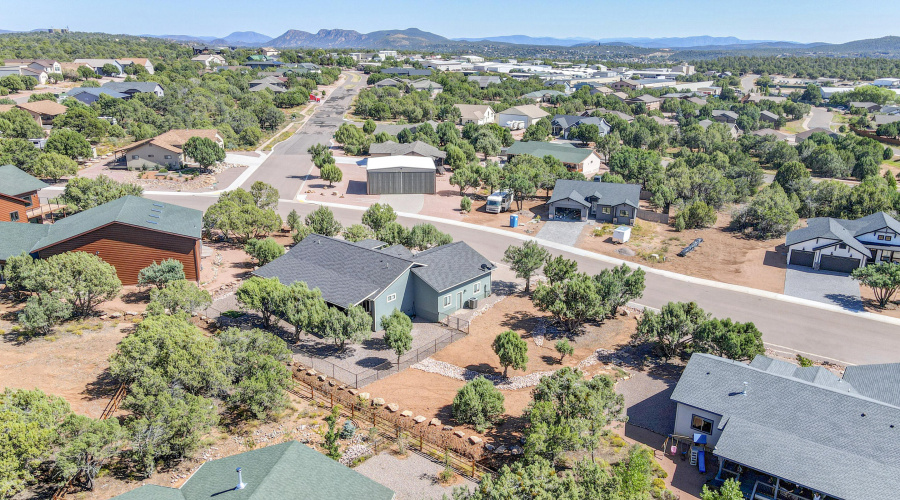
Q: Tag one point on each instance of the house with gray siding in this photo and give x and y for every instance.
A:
(600, 201)
(431, 284)
(785, 431)
(842, 245)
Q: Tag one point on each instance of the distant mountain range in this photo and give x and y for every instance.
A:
(411, 38)
(650, 43)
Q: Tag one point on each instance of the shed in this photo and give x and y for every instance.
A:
(400, 175)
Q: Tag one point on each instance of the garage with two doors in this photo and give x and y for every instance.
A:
(826, 262)
(400, 175)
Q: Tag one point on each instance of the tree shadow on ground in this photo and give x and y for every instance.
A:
(357, 187)
(849, 302)
(136, 296)
(485, 369)
(522, 321)
(103, 387)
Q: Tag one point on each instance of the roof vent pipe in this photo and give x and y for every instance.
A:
(744, 392)
(240, 484)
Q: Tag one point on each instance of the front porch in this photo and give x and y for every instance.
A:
(757, 485)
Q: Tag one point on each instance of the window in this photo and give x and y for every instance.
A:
(701, 424)
(149, 156)
(477, 288)
(168, 157)
(447, 300)
(842, 246)
(623, 213)
(134, 157)
(606, 210)
(14, 216)
(28, 201)
(887, 238)
(392, 297)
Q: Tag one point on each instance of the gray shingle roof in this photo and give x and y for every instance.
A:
(880, 382)
(18, 237)
(14, 182)
(826, 439)
(567, 121)
(131, 210)
(483, 81)
(398, 251)
(346, 273)
(607, 193)
(286, 470)
(843, 230)
(565, 152)
(446, 266)
(125, 87)
(395, 149)
(96, 91)
(370, 243)
(725, 112)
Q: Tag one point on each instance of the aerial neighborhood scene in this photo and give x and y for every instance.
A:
(517, 251)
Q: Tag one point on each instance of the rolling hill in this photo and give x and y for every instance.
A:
(243, 38)
(346, 39)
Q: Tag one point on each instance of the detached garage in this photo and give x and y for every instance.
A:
(400, 175)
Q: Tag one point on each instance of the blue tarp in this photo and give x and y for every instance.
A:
(699, 438)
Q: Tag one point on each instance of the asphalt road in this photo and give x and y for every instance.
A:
(289, 164)
(748, 82)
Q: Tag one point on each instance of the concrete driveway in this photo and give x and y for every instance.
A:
(561, 231)
(823, 286)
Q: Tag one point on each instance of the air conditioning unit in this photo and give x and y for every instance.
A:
(472, 303)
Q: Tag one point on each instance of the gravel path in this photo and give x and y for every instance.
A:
(456, 372)
(647, 400)
(411, 478)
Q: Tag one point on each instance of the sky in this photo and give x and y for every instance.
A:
(789, 20)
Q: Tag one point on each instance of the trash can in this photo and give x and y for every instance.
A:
(514, 220)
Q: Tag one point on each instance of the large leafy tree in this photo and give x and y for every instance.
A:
(883, 278)
(569, 413)
(770, 214)
(572, 301)
(159, 275)
(238, 215)
(397, 332)
(354, 325)
(265, 196)
(179, 296)
(478, 403)
(512, 351)
(525, 260)
(671, 329)
(86, 444)
(53, 166)
(83, 193)
(378, 215)
(68, 143)
(729, 339)
(263, 295)
(303, 308)
(203, 150)
(258, 370)
(322, 221)
(83, 280)
(619, 286)
(42, 312)
(264, 251)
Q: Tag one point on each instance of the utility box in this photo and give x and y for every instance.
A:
(622, 234)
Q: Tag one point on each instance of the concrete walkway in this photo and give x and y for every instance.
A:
(562, 232)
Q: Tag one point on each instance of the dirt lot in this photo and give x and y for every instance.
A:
(723, 256)
(70, 363)
(531, 217)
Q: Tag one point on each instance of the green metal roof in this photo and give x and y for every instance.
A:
(14, 181)
(18, 237)
(565, 153)
(287, 470)
(131, 210)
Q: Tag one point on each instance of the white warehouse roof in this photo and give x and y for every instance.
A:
(407, 163)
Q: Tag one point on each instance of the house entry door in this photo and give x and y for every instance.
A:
(459, 301)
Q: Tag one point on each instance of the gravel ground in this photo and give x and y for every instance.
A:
(647, 402)
(411, 478)
(564, 232)
(504, 384)
(822, 286)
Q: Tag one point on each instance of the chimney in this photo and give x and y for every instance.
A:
(240, 484)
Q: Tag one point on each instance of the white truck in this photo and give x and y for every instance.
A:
(498, 202)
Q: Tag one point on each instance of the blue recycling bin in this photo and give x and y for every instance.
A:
(514, 220)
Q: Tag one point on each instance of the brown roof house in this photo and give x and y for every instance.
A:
(164, 150)
(129, 233)
(43, 112)
(18, 194)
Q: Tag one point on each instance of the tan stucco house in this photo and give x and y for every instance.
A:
(164, 150)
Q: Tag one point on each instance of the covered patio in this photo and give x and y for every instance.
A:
(758, 485)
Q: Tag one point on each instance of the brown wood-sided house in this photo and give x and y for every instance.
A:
(18, 194)
(129, 233)
(43, 112)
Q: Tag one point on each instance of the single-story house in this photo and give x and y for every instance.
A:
(267, 65)
(46, 65)
(286, 470)
(699, 101)
(768, 116)
(625, 116)
(843, 245)
(276, 89)
(775, 426)
(647, 100)
(431, 285)
(779, 136)
(757, 98)
(412, 174)
(426, 85)
(129, 233)
(268, 80)
(478, 114)
(871, 107)
(622, 96)
(388, 82)
(601, 201)
(90, 95)
(885, 119)
(584, 160)
(18, 194)
(406, 71)
(732, 128)
(724, 116)
(131, 88)
(526, 114)
(624, 85)
(802, 136)
(483, 81)
(415, 148)
(563, 124)
(164, 150)
(137, 61)
(543, 95)
(43, 112)
(210, 60)
(97, 66)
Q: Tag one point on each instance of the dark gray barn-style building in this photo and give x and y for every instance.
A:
(400, 175)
